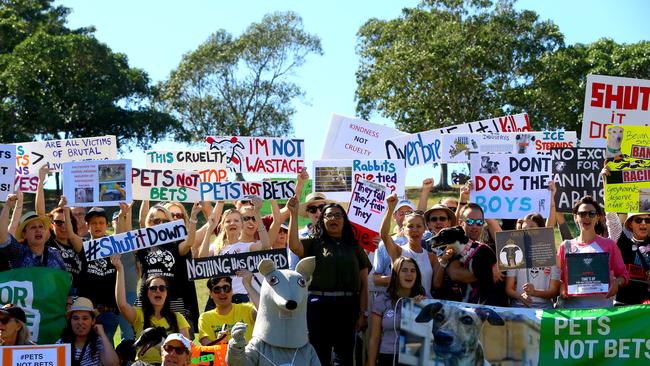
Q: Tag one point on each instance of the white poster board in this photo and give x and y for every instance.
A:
(368, 204)
(43, 355)
(264, 155)
(233, 191)
(185, 159)
(97, 183)
(166, 185)
(7, 170)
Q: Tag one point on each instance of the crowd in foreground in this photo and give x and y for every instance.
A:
(351, 290)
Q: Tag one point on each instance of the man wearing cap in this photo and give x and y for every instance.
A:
(176, 350)
(90, 345)
(33, 232)
(13, 328)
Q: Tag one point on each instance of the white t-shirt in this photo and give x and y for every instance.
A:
(239, 247)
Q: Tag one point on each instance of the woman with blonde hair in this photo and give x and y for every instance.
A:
(13, 331)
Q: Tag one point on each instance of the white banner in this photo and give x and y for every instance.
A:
(7, 170)
(265, 155)
(97, 183)
(185, 159)
(232, 191)
(166, 185)
(368, 204)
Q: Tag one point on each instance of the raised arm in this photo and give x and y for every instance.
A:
(206, 208)
(124, 222)
(15, 216)
(74, 239)
(4, 217)
(213, 221)
(187, 244)
(144, 210)
(463, 197)
(247, 280)
(264, 242)
(427, 184)
(551, 220)
(274, 229)
(394, 251)
(127, 310)
(109, 356)
(40, 193)
(294, 243)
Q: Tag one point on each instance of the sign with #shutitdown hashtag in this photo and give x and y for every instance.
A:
(135, 240)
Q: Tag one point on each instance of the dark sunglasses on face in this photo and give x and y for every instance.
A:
(313, 209)
(178, 216)
(248, 218)
(470, 222)
(437, 218)
(638, 220)
(159, 221)
(584, 214)
(225, 288)
(179, 350)
(161, 288)
(58, 222)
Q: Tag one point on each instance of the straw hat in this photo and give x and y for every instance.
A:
(82, 304)
(451, 215)
(26, 219)
(631, 216)
(311, 198)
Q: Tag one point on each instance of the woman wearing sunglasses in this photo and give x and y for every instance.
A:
(155, 310)
(586, 212)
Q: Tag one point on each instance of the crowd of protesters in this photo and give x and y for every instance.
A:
(351, 290)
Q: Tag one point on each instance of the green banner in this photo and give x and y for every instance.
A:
(42, 293)
(613, 336)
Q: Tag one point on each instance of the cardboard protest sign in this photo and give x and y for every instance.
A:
(135, 240)
(366, 211)
(31, 156)
(165, 185)
(267, 155)
(353, 138)
(528, 248)
(335, 178)
(613, 101)
(229, 264)
(587, 274)
(97, 183)
(7, 170)
(186, 160)
(46, 355)
(42, 293)
(511, 123)
(232, 191)
(511, 186)
(457, 148)
(576, 173)
(628, 142)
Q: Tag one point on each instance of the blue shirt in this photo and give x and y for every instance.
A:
(20, 256)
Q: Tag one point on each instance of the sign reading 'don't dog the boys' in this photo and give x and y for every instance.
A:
(229, 264)
(135, 240)
(511, 186)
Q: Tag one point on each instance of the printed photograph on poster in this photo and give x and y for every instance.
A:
(527, 248)
(333, 179)
(97, 183)
(644, 200)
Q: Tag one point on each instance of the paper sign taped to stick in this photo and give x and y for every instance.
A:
(511, 186)
(457, 148)
(232, 191)
(97, 183)
(45, 355)
(229, 264)
(613, 101)
(576, 172)
(266, 155)
(528, 248)
(7, 170)
(31, 156)
(335, 178)
(353, 138)
(135, 240)
(186, 160)
(166, 185)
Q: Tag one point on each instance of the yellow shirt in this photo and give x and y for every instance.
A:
(153, 354)
(211, 322)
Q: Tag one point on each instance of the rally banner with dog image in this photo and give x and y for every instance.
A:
(135, 240)
(613, 101)
(335, 178)
(265, 155)
(576, 173)
(511, 186)
(97, 183)
(165, 185)
(439, 332)
(229, 264)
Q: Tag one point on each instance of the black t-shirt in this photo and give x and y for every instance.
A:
(637, 260)
(480, 264)
(73, 261)
(97, 282)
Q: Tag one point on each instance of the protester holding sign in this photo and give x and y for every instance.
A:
(586, 212)
(155, 310)
(338, 293)
(405, 282)
(13, 328)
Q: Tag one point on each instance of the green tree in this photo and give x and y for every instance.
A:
(56, 82)
(241, 85)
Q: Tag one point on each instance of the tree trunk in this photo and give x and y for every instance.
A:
(443, 185)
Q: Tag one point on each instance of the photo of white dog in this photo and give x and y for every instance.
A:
(614, 140)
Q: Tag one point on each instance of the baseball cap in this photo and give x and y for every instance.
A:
(14, 311)
(181, 338)
(404, 203)
(96, 211)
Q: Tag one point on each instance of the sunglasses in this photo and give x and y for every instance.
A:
(333, 216)
(159, 221)
(248, 218)
(5, 319)
(225, 288)
(313, 209)
(437, 218)
(161, 288)
(179, 350)
(58, 222)
(638, 220)
(470, 222)
(178, 216)
(584, 214)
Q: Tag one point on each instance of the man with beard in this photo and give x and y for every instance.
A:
(90, 344)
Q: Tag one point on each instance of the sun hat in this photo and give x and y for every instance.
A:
(631, 216)
(312, 198)
(26, 219)
(451, 216)
(82, 304)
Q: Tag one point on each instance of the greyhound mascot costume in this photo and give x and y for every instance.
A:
(280, 333)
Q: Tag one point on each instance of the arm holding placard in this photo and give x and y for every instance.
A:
(144, 210)
(274, 229)
(124, 223)
(463, 197)
(127, 310)
(18, 211)
(187, 244)
(206, 208)
(612, 220)
(74, 239)
(4, 217)
(264, 242)
(394, 251)
(294, 243)
(40, 193)
(427, 184)
(109, 356)
(212, 222)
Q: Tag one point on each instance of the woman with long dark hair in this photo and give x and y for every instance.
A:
(154, 312)
(338, 293)
(405, 282)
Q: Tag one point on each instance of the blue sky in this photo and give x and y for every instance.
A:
(155, 35)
